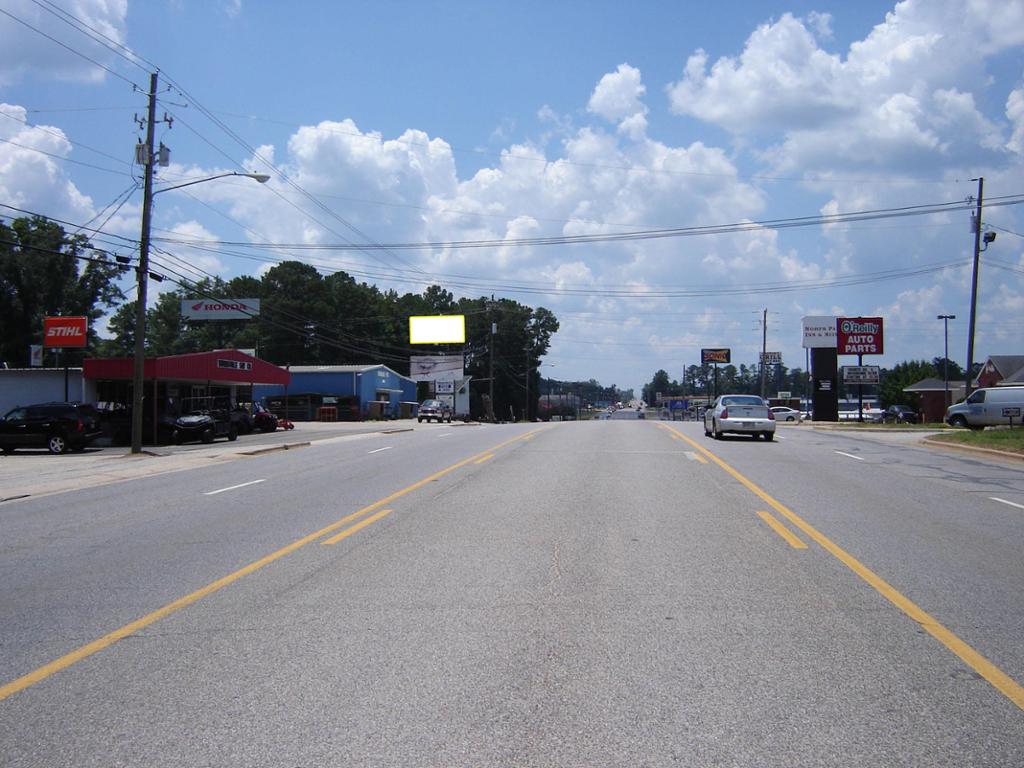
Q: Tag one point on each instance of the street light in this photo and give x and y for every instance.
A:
(945, 358)
(138, 368)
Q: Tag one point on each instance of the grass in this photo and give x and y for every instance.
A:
(1009, 440)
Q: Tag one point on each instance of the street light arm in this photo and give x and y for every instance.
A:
(262, 178)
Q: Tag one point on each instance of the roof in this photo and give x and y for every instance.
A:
(1017, 378)
(933, 385)
(221, 366)
(334, 368)
(1008, 366)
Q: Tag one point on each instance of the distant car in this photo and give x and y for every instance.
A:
(782, 413)
(899, 414)
(434, 409)
(740, 414)
(58, 427)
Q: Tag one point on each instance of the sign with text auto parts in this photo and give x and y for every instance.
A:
(859, 336)
(220, 309)
(720, 355)
(65, 331)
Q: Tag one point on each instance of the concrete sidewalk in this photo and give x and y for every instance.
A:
(31, 473)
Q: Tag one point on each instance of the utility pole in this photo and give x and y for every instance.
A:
(945, 359)
(764, 349)
(974, 285)
(138, 369)
(526, 405)
(494, 328)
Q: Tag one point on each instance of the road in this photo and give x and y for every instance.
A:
(578, 594)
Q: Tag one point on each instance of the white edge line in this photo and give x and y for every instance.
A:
(1004, 501)
(234, 487)
(850, 455)
(378, 450)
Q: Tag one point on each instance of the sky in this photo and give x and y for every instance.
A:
(657, 174)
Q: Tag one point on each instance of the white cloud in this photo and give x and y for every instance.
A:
(619, 95)
(1015, 113)
(31, 175)
(23, 51)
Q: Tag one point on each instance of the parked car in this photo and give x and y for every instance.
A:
(434, 409)
(204, 426)
(263, 420)
(782, 413)
(899, 414)
(58, 427)
(740, 414)
(985, 408)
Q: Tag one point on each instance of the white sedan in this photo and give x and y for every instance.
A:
(782, 413)
(740, 414)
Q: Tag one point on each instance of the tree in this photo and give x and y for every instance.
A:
(890, 391)
(44, 272)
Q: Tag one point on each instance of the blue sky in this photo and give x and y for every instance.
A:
(402, 122)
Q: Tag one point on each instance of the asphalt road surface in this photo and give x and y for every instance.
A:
(583, 594)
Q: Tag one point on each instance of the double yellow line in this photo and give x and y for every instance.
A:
(999, 679)
(69, 659)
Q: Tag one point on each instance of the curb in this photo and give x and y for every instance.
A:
(275, 448)
(973, 449)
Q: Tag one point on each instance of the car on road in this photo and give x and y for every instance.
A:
(434, 409)
(739, 414)
(782, 413)
(899, 414)
(58, 427)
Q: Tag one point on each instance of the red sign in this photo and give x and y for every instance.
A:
(859, 336)
(65, 331)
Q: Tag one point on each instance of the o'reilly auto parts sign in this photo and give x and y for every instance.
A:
(859, 336)
(220, 309)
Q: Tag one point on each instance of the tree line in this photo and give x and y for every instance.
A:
(306, 318)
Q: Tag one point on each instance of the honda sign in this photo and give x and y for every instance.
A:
(220, 309)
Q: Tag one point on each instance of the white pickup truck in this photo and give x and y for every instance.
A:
(739, 414)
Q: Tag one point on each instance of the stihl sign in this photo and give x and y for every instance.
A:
(220, 309)
(859, 336)
(65, 331)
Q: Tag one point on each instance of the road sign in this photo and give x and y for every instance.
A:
(859, 336)
(861, 374)
(65, 331)
(771, 358)
(785, 395)
(716, 355)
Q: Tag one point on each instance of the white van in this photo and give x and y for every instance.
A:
(985, 408)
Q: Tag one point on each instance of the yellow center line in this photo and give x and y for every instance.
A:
(357, 527)
(482, 459)
(995, 676)
(791, 538)
(69, 659)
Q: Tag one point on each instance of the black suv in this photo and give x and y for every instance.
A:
(899, 414)
(56, 426)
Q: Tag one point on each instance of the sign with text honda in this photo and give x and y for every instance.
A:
(65, 331)
(220, 309)
(859, 336)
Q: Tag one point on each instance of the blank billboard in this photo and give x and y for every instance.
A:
(437, 329)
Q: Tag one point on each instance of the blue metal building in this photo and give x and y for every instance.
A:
(354, 392)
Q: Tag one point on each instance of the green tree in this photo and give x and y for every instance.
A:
(44, 272)
(890, 391)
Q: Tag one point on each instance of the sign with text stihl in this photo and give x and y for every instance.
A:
(64, 331)
(859, 336)
(719, 355)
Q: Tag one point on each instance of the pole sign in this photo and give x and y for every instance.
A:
(859, 336)
(716, 355)
(861, 374)
(819, 332)
(220, 309)
(65, 332)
